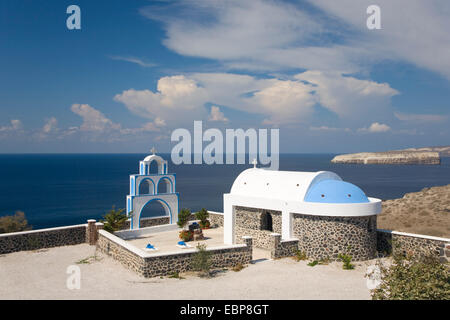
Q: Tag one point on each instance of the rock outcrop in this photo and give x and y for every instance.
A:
(390, 157)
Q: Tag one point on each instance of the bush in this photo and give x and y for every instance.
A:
(203, 216)
(300, 255)
(186, 235)
(114, 219)
(201, 261)
(183, 217)
(346, 259)
(413, 279)
(14, 223)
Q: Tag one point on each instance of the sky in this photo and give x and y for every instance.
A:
(138, 70)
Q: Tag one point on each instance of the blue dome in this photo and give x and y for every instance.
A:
(335, 191)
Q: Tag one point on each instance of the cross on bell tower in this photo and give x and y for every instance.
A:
(153, 150)
(254, 162)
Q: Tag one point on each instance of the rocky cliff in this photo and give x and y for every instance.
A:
(390, 157)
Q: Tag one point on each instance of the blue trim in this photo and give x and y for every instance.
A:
(154, 199)
(172, 188)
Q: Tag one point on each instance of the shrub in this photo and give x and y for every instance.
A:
(313, 263)
(183, 217)
(114, 219)
(346, 259)
(238, 268)
(413, 279)
(300, 255)
(203, 216)
(201, 261)
(14, 223)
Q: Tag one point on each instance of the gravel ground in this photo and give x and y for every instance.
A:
(42, 275)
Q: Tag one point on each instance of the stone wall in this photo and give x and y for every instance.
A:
(152, 265)
(253, 222)
(215, 218)
(322, 237)
(396, 242)
(148, 222)
(43, 238)
(283, 248)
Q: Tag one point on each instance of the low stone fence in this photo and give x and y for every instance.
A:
(216, 218)
(48, 238)
(396, 242)
(283, 248)
(162, 264)
(148, 222)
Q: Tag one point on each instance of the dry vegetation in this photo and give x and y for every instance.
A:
(424, 212)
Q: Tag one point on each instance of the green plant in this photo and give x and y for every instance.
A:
(300, 255)
(407, 278)
(201, 261)
(324, 261)
(175, 275)
(114, 219)
(313, 263)
(238, 267)
(203, 216)
(346, 259)
(14, 223)
(183, 218)
(34, 242)
(186, 235)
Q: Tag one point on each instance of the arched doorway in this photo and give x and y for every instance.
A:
(154, 208)
(266, 221)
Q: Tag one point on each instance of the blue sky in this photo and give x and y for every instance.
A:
(137, 70)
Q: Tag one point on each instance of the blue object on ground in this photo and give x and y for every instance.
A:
(181, 243)
(149, 246)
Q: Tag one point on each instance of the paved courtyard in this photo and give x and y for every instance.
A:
(43, 274)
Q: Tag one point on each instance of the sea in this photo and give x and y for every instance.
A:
(65, 189)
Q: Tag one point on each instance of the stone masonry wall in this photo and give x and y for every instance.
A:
(43, 238)
(325, 237)
(414, 244)
(216, 220)
(251, 222)
(166, 264)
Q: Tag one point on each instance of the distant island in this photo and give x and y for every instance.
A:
(426, 155)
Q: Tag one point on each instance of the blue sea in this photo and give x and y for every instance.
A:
(64, 189)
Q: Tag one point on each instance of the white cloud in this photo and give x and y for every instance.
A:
(15, 126)
(411, 117)
(329, 129)
(177, 98)
(181, 99)
(415, 31)
(375, 128)
(93, 120)
(50, 125)
(217, 115)
(277, 35)
(134, 60)
(96, 126)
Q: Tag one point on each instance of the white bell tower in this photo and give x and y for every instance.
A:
(137, 201)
